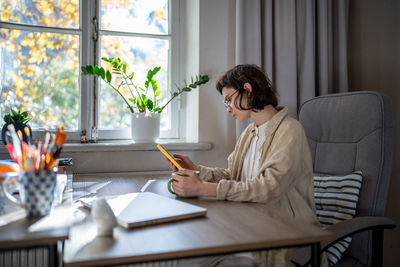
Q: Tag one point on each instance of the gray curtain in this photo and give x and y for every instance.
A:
(300, 44)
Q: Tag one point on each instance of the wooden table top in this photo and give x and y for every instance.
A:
(17, 235)
(228, 227)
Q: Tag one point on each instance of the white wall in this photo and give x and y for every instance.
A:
(217, 42)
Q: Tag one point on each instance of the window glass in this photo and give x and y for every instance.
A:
(53, 13)
(39, 73)
(40, 66)
(140, 54)
(141, 16)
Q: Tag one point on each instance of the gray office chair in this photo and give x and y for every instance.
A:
(350, 132)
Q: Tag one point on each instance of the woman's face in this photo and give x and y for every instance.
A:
(230, 94)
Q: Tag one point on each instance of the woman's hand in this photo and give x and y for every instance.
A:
(191, 185)
(184, 161)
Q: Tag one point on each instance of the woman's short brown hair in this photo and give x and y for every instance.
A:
(262, 93)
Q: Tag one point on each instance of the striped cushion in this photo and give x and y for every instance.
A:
(336, 200)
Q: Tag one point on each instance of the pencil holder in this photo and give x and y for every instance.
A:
(36, 191)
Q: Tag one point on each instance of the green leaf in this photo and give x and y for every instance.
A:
(142, 89)
(96, 70)
(149, 74)
(156, 69)
(146, 84)
(131, 76)
(16, 116)
(154, 84)
(83, 69)
(132, 100)
(139, 105)
(187, 89)
(124, 67)
(109, 60)
(204, 79)
(157, 93)
(89, 69)
(7, 118)
(150, 104)
(102, 73)
(108, 76)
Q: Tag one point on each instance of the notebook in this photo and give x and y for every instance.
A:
(146, 208)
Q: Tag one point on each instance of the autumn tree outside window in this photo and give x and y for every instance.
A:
(44, 43)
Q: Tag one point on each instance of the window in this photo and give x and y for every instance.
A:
(44, 43)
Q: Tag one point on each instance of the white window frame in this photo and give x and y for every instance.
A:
(89, 100)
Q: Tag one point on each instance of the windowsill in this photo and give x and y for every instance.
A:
(129, 145)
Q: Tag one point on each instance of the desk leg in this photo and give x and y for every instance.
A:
(315, 256)
(56, 254)
(53, 255)
(60, 253)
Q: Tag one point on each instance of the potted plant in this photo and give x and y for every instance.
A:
(20, 121)
(143, 101)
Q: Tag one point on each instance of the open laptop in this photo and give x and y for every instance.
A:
(146, 208)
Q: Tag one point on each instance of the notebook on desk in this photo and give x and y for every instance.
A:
(139, 209)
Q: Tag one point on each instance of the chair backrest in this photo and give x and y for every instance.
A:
(353, 132)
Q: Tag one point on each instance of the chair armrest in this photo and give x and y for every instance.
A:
(341, 230)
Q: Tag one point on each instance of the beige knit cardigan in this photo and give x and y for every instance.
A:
(284, 180)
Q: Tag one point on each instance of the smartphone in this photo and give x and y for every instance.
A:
(171, 158)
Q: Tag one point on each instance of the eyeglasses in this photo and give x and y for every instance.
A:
(228, 100)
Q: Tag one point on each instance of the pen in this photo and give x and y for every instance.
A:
(16, 144)
(10, 147)
(56, 149)
(28, 135)
(38, 155)
(29, 160)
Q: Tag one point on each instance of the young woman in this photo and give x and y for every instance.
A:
(271, 162)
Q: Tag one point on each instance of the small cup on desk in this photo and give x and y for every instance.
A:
(36, 190)
(170, 188)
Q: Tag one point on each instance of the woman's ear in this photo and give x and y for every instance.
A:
(247, 87)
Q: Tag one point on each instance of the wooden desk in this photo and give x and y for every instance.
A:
(228, 227)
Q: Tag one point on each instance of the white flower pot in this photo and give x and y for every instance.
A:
(145, 127)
